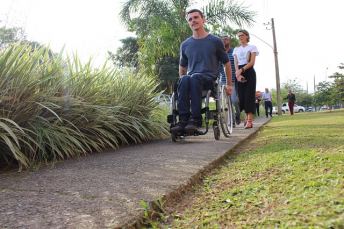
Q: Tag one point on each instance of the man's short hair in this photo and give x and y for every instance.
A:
(227, 37)
(195, 10)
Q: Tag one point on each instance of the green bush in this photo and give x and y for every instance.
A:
(52, 109)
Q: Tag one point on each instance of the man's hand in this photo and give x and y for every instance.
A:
(229, 89)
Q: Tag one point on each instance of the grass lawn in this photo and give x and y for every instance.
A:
(289, 175)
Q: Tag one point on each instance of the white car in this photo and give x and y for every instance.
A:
(163, 99)
(285, 109)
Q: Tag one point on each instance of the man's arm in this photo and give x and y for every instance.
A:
(182, 71)
(228, 72)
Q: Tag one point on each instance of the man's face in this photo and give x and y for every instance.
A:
(266, 90)
(195, 20)
(226, 41)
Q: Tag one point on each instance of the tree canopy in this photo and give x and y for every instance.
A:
(10, 35)
(127, 55)
(339, 83)
(161, 26)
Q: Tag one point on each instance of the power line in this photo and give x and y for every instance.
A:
(265, 7)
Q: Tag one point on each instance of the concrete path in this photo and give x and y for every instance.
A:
(104, 190)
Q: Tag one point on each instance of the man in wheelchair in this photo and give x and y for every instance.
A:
(200, 55)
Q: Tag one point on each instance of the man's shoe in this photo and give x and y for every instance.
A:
(179, 128)
(271, 116)
(237, 120)
(192, 126)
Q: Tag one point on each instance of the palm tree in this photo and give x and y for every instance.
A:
(161, 25)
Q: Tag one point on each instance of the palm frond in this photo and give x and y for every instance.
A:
(224, 12)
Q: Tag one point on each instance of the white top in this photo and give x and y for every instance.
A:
(241, 53)
(267, 96)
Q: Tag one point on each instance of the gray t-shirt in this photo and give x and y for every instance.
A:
(203, 55)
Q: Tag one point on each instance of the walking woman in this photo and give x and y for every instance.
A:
(244, 59)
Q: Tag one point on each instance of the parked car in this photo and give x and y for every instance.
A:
(310, 109)
(335, 107)
(285, 109)
(163, 99)
(324, 108)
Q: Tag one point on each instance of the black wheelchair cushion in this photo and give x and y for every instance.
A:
(208, 84)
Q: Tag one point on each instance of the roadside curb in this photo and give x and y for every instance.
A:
(169, 198)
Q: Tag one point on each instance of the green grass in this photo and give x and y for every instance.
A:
(290, 175)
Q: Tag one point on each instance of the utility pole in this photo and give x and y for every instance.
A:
(278, 89)
(307, 87)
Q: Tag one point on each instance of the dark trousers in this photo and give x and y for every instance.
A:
(291, 107)
(247, 91)
(257, 108)
(268, 104)
(190, 88)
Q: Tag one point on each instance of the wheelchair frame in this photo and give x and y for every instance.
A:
(222, 114)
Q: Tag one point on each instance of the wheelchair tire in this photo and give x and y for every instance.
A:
(216, 131)
(225, 112)
(174, 137)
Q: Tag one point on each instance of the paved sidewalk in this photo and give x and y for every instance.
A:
(104, 190)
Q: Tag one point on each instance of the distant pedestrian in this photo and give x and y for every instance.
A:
(257, 102)
(268, 102)
(291, 101)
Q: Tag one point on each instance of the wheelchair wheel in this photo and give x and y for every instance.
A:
(225, 112)
(216, 131)
(174, 137)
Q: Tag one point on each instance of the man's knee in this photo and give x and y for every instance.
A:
(183, 83)
(196, 79)
(184, 79)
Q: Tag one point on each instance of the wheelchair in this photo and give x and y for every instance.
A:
(222, 114)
